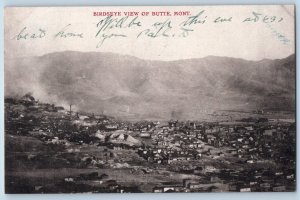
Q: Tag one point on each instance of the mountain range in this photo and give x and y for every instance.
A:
(132, 88)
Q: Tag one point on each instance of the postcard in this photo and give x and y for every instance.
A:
(146, 99)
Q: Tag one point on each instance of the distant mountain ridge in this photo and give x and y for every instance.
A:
(132, 88)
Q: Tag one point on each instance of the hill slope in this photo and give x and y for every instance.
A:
(128, 87)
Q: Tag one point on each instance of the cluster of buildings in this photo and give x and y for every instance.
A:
(252, 144)
(247, 144)
(234, 181)
(186, 141)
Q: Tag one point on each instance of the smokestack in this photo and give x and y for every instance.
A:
(70, 111)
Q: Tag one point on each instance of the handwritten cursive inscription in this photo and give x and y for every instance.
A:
(24, 34)
(111, 27)
(65, 33)
(157, 29)
(109, 24)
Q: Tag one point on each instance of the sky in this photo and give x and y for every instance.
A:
(248, 32)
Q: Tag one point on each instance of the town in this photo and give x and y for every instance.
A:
(51, 148)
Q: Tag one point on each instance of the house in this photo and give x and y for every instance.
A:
(265, 186)
(169, 189)
(252, 183)
(38, 188)
(157, 189)
(69, 179)
(28, 98)
(268, 132)
(289, 177)
(59, 109)
(118, 147)
(145, 135)
(111, 127)
(249, 128)
(195, 186)
(214, 179)
(188, 182)
(167, 161)
(232, 187)
(240, 139)
(113, 185)
(247, 189)
(250, 161)
(279, 189)
(221, 154)
(198, 170)
(158, 161)
(173, 124)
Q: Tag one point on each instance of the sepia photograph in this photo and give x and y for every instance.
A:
(150, 99)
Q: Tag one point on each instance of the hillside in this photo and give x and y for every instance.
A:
(132, 88)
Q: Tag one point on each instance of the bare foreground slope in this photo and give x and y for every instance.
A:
(100, 122)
